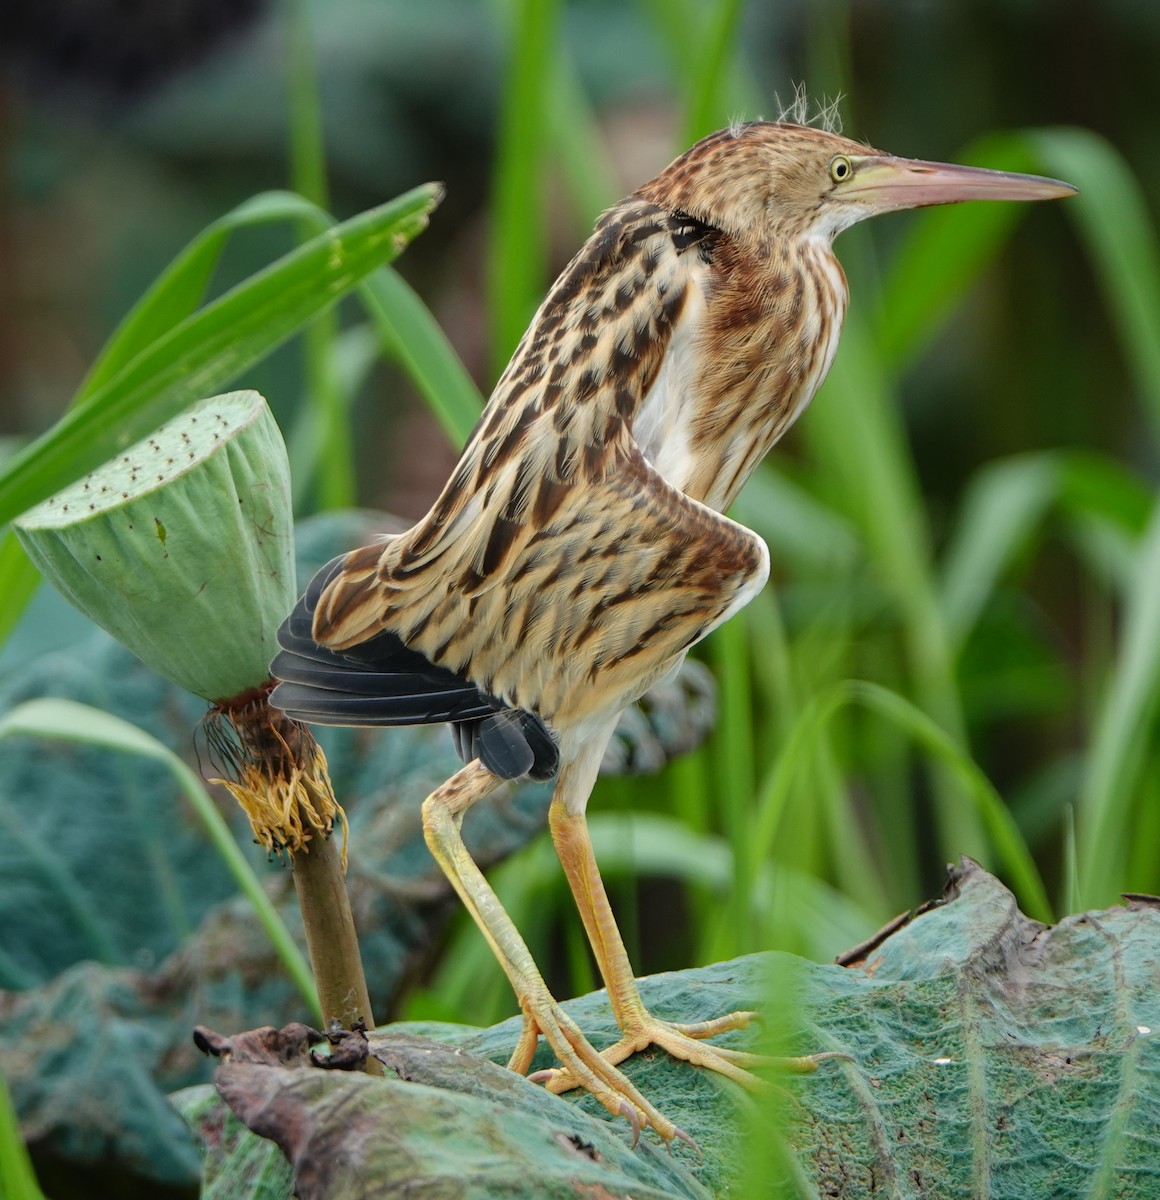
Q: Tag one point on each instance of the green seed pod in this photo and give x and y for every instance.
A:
(182, 547)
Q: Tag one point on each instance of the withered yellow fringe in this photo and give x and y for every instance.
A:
(274, 768)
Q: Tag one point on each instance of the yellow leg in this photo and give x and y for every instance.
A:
(638, 1026)
(442, 816)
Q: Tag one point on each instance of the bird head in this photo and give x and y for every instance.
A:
(775, 180)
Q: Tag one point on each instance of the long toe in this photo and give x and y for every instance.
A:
(686, 1042)
(586, 1067)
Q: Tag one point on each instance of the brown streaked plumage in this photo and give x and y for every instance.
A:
(579, 550)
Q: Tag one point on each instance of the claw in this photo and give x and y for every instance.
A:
(680, 1133)
(629, 1113)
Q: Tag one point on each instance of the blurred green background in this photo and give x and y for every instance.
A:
(966, 595)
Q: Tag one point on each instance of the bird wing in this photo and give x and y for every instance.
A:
(575, 616)
(557, 573)
(384, 682)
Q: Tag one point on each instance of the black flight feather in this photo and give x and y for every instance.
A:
(383, 681)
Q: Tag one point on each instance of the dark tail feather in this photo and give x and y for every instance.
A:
(385, 682)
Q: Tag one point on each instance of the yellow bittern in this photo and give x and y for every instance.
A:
(579, 548)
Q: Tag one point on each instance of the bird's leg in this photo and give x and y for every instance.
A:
(442, 816)
(637, 1025)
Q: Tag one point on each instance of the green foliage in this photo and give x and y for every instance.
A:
(867, 698)
(867, 593)
(17, 1177)
(131, 913)
(166, 355)
(189, 360)
(67, 721)
(988, 1057)
(518, 251)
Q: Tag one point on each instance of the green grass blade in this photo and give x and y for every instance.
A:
(675, 24)
(1003, 504)
(706, 105)
(857, 439)
(1112, 775)
(579, 145)
(211, 348)
(1006, 501)
(950, 247)
(334, 473)
(1071, 899)
(66, 720)
(17, 1178)
(307, 156)
(1141, 870)
(805, 530)
(1009, 845)
(181, 287)
(517, 249)
(1111, 214)
(173, 296)
(713, 85)
(1095, 485)
(19, 580)
(735, 773)
(413, 338)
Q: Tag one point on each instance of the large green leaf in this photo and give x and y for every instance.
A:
(990, 1056)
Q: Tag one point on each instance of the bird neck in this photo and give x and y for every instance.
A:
(758, 338)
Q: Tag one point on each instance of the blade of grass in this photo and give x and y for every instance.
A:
(307, 154)
(948, 248)
(17, 1178)
(1111, 215)
(943, 253)
(180, 288)
(1004, 503)
(173, 296)
(334, 474)
(1112, 775)
(1096, 485)
(355, 353)
(807, 532)
(1009, 845)
(413, 338)
(578, 144)
(1141, 871)
(857, 438)
(66, 720)
(711, 84)
(1070, 863)
(779, 696)
(734, 772)
(19, 580)
(706, 106)
(517, 247)
(210, 347)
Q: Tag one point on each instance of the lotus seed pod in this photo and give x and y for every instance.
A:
(182, 547)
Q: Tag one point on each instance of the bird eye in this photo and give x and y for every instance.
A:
(840, 168)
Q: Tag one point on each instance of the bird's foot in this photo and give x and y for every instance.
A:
(686, 1042)
(586, 1067)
